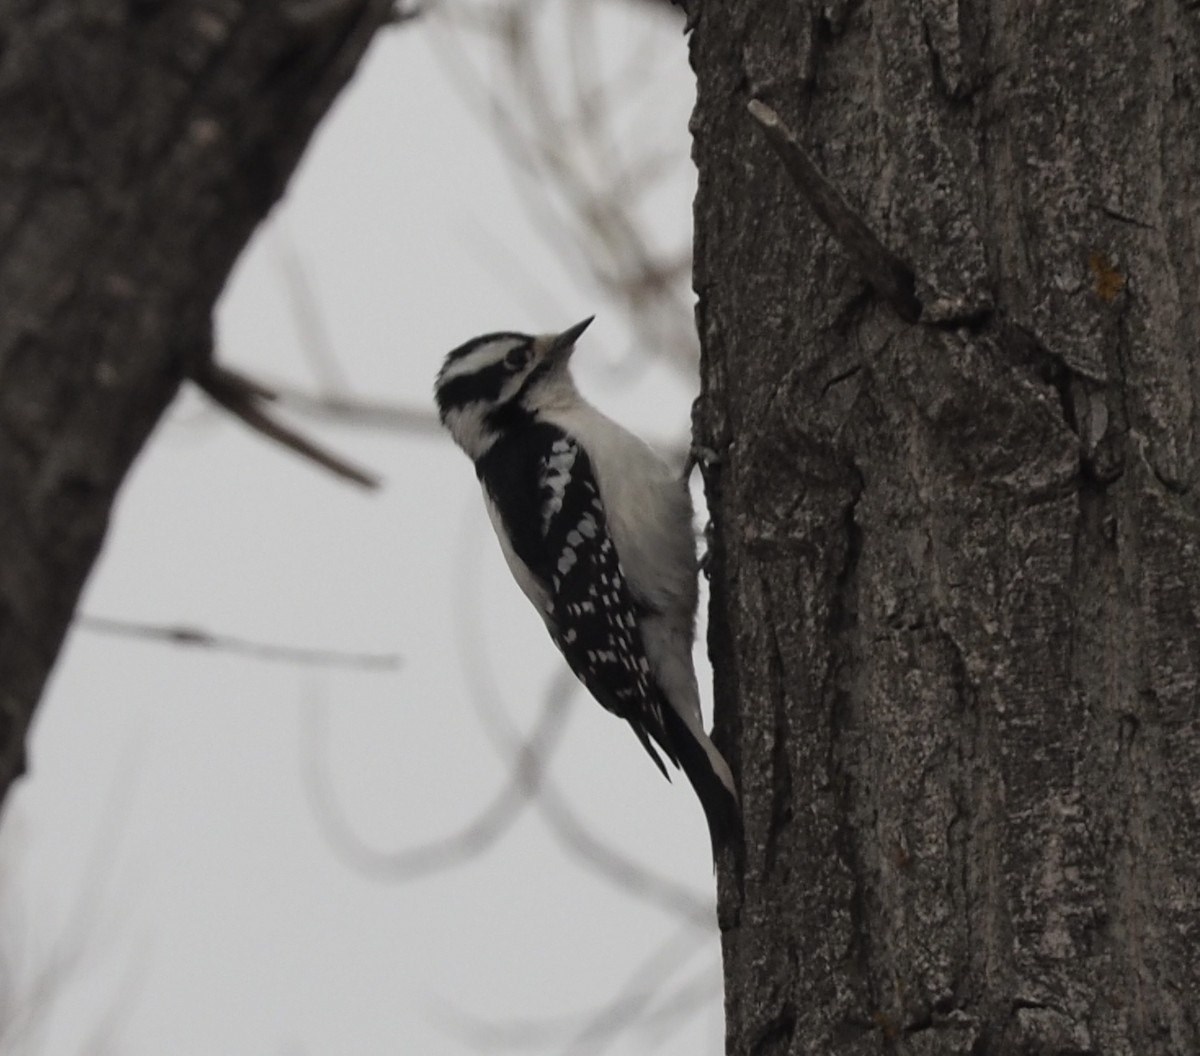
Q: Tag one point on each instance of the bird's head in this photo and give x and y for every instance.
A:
(492, 383)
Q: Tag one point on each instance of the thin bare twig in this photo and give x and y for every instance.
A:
(472, 840)
(28, 1005)
(638, 999)
(619, 869)
(586, 1032)
(578, 190)
(312, 328)
(890, 276)
(353, 410)
(671, 1011)
(242, 397)
(333, 400)
(194, 637)
(511, 270)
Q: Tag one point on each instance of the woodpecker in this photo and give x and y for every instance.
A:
(597, 532)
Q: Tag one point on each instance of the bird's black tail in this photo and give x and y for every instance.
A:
(711, 779)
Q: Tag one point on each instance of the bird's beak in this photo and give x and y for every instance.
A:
(561, 346)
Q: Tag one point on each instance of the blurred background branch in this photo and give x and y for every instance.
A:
(586, 161)
(191, 637)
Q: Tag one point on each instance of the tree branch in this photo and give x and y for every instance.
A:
(357, 411)
(197, 638)
(466, 844)
(243, 398)
(888, 275)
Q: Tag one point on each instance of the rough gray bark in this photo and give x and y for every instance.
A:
(140, 144)
(956, 576)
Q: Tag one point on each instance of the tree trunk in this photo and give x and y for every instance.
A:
(140, 144)
(956, 571)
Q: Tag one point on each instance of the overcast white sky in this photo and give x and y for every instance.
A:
(164, 852)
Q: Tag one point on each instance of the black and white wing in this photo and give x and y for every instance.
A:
(541, 489)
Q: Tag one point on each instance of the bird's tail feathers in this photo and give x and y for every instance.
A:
(709, 775)
(644, 736)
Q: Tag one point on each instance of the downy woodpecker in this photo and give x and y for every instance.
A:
(597, 532)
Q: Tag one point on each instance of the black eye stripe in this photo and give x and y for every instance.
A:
(484, 386)
(481, 387)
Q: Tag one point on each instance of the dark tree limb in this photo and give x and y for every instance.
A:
(140, 145)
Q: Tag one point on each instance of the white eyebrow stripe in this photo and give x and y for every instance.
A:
(478, 358)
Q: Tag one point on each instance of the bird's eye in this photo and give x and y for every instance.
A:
(517, 358)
